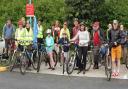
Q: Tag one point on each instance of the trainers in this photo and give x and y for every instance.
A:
(113, 74)
(117, 74)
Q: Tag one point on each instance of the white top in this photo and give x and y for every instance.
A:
(83, 37)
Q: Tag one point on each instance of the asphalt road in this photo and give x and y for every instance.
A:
(44, 81)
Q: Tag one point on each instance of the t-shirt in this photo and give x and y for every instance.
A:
(83, 37)
(8, 32)
(96, 39)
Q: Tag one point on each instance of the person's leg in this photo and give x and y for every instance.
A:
(79, 60)
(6, 46)
(113, 56)
(118, 50)
(84, 53)
(51, 59)
(96, 57)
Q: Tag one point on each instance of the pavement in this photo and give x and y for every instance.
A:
(100, 73)
(15, 80)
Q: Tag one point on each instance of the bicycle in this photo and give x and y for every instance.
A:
(63, 59)
(72, 60)
(107, 61)
(4, 57)
(22, 58)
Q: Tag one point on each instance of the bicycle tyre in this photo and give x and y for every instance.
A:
(39, 62)
(23, 64)
(108, 67)
(13, 62)
(71, 64)
(34, 60)
(55, 57)
(126, 62)
(88, 62)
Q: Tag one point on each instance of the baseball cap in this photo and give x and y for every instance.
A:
(115, 21)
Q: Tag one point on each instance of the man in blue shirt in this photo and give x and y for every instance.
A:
(8, 34)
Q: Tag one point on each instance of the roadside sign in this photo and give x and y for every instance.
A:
(29, 10)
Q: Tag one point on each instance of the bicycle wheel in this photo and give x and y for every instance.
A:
(34, 59)
(23, 63)
(63, 66)
(88, 62)
(108, 67)
(126, 62)
(39, 61)
(13, 61)
(71, 63)
(4, 58)
(55, 57)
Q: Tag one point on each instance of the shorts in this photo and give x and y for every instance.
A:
(49, 49)
(116, 53)
(40, 40)
(7, 43)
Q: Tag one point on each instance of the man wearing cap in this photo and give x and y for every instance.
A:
(115, 41)
(97, 38)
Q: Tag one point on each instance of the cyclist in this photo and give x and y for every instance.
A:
(56, 31)
(75, 30)
(65, 30)
(109, 28)
(83, 36)
(8, 34)
(19, 34)
(114, 38)
(56, 34)
(64, 42)
(40, 34)
(98, 38)
(123, 43)
(49, 48)
(25, 35)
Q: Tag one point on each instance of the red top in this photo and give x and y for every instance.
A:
(75, 31)
(96, 39)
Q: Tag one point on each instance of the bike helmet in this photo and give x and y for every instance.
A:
(48, 31)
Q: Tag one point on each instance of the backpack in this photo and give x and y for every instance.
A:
(101, 35)
(123, 37)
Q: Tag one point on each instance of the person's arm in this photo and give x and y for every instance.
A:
(61, 31)
(76, 37)
(68, 32)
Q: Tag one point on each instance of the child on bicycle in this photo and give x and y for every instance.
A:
(64, 43)
(49, 48)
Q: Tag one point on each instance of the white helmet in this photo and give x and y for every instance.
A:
(48, 31)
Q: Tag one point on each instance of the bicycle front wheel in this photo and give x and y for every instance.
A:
(23, 64)
(13, 61)
(71, 64)
(55, 57)
(88, 62)
(108, 67)
(126, 62)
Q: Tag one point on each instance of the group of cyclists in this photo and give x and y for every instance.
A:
(80, 35)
